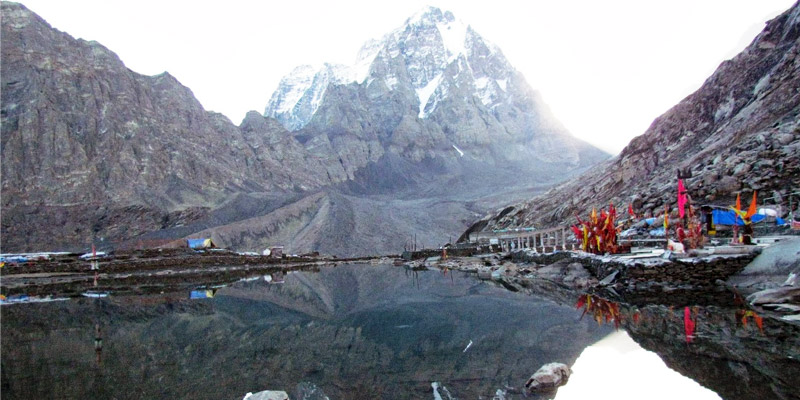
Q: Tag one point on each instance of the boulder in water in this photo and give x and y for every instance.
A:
(267, 395)
(549, 378)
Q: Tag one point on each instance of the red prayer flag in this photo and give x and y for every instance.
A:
(688, 324)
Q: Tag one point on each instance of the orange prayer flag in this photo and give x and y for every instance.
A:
(738, 203)
(759, 323)
(752, 209)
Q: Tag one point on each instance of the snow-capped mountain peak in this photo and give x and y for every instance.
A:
(300, 93)
(453, 31)
(425, 57)
(296, 82)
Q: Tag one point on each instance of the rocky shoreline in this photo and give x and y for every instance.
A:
(660, 278)
(718, 276)
(730, 322)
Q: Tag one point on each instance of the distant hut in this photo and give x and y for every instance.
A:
(276, 251)
(201, 244)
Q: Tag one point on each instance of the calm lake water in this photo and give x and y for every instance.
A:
(352, 332)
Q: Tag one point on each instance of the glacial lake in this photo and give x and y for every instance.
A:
(372, 332)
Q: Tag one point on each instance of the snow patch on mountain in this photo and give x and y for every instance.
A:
(503, 83)
(366, 56)
(297, 82)
(391, 82)
(485, 91)
(300, 93)
(454, 36)
(491, 91)
(424, 94)
(453, 32)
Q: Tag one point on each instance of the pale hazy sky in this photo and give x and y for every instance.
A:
(606, 68)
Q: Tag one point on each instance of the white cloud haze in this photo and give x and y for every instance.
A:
(606, 68)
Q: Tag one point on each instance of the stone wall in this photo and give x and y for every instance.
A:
(689, 271)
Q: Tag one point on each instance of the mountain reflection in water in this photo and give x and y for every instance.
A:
(377, 332)
(354, 331)
(721, 344)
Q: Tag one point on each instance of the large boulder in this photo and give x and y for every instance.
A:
(781, 295)
(548, 378)
(772, 268)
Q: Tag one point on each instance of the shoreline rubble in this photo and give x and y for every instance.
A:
(714, 275)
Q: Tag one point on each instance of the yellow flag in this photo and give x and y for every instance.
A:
(585, 238)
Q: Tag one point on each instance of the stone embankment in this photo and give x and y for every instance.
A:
(647, 273)
(639, 277)
(582, 270)
(764, 277)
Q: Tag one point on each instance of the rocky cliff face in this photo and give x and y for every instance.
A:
(85, 140)
(80, 127)
(739, 132)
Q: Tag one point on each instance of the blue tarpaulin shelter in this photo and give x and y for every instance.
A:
(202, 294)
(728, 217)
(200, 243)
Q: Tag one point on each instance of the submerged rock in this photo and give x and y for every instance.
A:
(484, 273)
(440, 392)
(578, 275)
(309, 391)
(267, 395)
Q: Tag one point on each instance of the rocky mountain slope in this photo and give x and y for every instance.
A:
(90, 147)
(424, 124)
(431, 92)
(739, 132)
